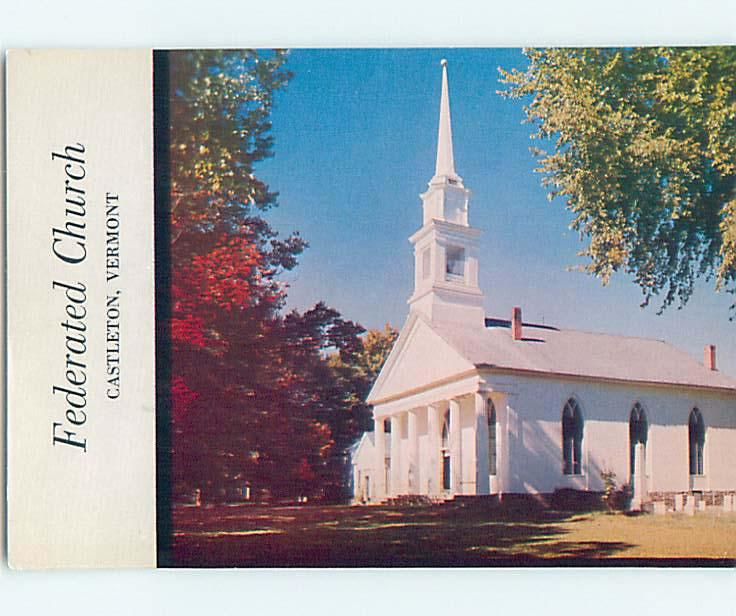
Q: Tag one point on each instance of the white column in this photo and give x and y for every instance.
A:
(395, 455)
(413, 454)
(356, 484)
(434, 433)
(482, 477)
(403, 431)
(380, 458)
(503, 465)
(456, 462)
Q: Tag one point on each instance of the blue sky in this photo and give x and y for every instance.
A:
(355, 142)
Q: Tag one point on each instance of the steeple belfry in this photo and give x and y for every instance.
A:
(446, 247)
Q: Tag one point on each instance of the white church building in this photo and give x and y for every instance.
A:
(471, 405)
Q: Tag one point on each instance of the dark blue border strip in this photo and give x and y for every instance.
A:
(162, 251)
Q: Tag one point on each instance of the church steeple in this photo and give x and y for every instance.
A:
(445, 167)
(445, 248)
(447, 198)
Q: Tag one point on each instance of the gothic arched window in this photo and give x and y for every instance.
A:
(446, 481)
(638, 431)
(696, 437)
(572, 438)
(491, 416)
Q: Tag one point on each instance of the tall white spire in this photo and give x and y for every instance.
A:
(445, 167)
(446, 247)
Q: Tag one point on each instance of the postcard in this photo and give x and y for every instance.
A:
(421, 307)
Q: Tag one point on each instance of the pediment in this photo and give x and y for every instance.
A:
(364, 444)
(419, 358)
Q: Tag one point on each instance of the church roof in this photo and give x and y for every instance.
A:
(443, 337)
(367, 440)
(546, 349)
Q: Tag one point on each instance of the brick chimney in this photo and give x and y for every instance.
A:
(710, 357)
(516, 323)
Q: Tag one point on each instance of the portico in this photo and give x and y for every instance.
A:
(440, 446)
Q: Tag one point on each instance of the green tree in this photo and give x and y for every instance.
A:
(354, 373)
(255, 397)
(644, 154)
(220, 113)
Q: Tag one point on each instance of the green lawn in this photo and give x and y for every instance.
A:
(445, 535)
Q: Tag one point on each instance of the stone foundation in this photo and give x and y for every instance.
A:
(689, 502)
(581, 500)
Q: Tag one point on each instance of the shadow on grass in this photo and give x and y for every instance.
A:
(431, 536)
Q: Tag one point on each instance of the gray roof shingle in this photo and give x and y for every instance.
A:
(577, 353)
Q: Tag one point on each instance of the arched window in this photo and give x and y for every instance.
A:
(572, 438)
(491, 415)
(638, 431)
(696, 436)
(446, 481)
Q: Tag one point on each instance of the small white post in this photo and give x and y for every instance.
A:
(690, 504)
(639, 479)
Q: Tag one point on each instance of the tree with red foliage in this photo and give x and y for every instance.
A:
(255, 399)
